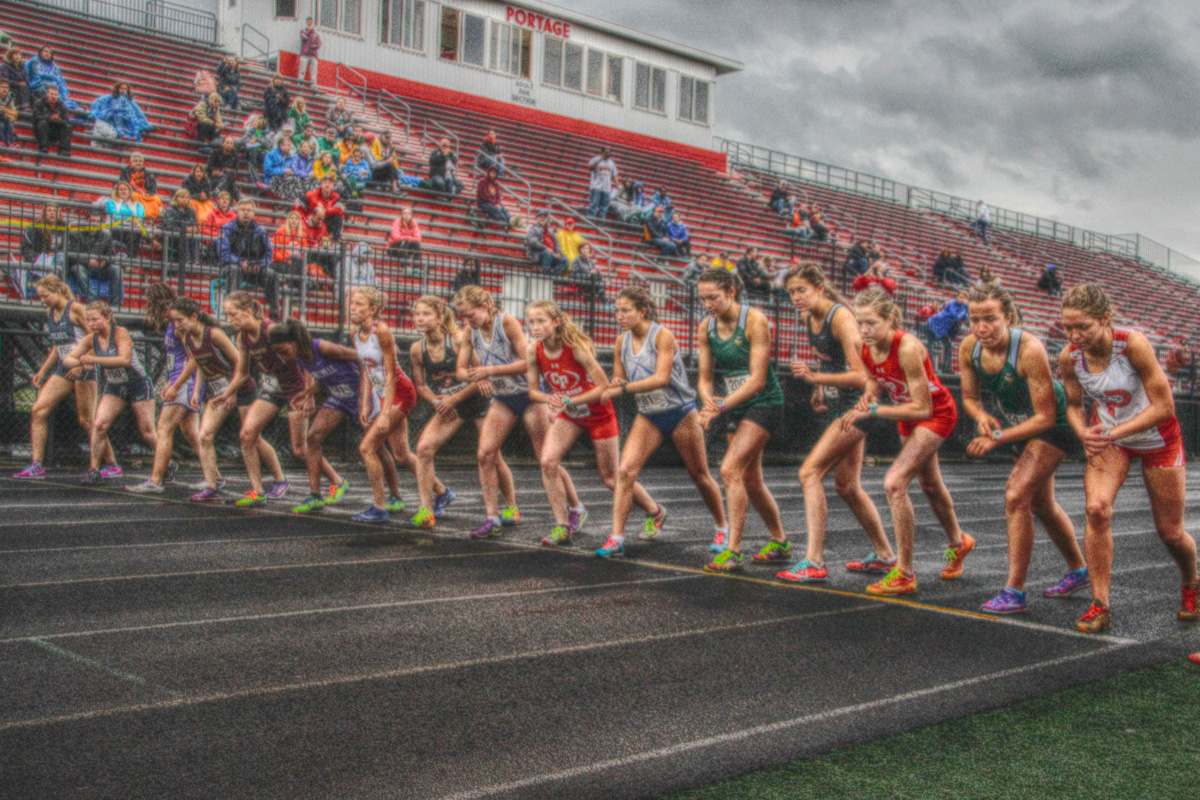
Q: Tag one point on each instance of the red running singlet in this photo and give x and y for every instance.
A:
(890, 375)
(565, 375)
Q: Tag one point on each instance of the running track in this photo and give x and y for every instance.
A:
(150, 648)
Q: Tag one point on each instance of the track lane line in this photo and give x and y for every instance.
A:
(127, 677)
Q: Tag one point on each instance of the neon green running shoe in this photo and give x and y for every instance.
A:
(558, 535)
(336, 493)
(313, 503)
(726, 561)
(774, 551)
(251, 498)
(653, 524)
(510, 516)
(423, 519)
(394, 503)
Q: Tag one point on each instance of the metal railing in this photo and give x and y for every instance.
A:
(386, 103)
(262, 51)
(445, 132)
(158, 16)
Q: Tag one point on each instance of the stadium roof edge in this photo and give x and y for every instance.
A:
(723, 65)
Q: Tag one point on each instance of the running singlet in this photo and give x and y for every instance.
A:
(1120, 396)
(275, 376)
(64, 335)
(213, 367)
(1010, 391)
(890, 375)
(441, 376)
(499, 352)
(676, 394)
(112, 376)
(732, 357)
(565, 375)
(341, 382)
(832, 358)
(372, 356)
(176, 360)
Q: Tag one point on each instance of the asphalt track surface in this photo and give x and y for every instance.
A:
(150, 648)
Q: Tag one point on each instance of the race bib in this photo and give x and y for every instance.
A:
(268, 385)
(118, 375)
(653, 402)
(451, 389)
(506, 385)
(64, 350)
(342, 391)
(216, 386)
(735, 382)
(379, 381)
(831, 392)
(577, 412)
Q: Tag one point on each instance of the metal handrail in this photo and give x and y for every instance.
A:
(384, 101)
(446, 132)
(338, 80)
(172, 20)
(609, 252)
(162, 13)
(264, 53)
(641, 260)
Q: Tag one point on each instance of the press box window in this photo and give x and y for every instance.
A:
(650, 88)
(285, 8)
(463, 37)
(571, 66)
(340, 15)
(403, 23)
(511, 49)
(693, 100)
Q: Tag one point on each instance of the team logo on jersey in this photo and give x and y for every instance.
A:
(1115, 399)
(562, 381)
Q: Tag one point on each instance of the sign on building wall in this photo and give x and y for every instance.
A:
(538, 22)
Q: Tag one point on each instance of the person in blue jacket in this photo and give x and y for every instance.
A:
(944, 325)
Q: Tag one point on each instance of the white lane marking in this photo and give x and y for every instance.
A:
(188, 543)
(321, 683)
(312, 612)
(128, 677)
(357, 562)
(62, 523)
(761, 730)
(45, 507)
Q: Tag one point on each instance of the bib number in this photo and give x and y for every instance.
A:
(505, 385)
(653, 402)
(577, 412)
(342, 391)
(64, 350)
(379, 381)
(216, 386)
(118, 375)
(830, 392)
(451, 388)
(268, 385)
(734, 382)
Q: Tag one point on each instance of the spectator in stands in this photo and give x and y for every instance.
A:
(8, 115)
(276, 103)
(949, 269)
(42, 72)
(200, 189)
(816, 220)
(52, 123)
(957, 273)
(207, 114)
(489, 154)
(877, 274)
(297, 116)
(125, 215)
(322, 250)
(942, 265)
(442, 163)
(325, 165)
(1050, 282)
(776, 274)
(340, 117)
(404, 240)
(351, 143)
(657, 234)
(360, 271)
(603, 172)
(13, 71)
(256, 141)
(222, 214)
(623, 204)
(692, 272)
(677, 232)
(92, 263)
(542, 248)
(586, 274)
(144, 185)
(280, 175)
(750, 270)
(331, 202)
(489, 197)
(468, 275)
(662, 199)
(986, 276)
(801, 224)
(983, 217)
(945, 324)
(121, 112)
(289, 243)
(356, 172)
(857, 258)
(384, 160)
(569, 240)
(310, 49)
(41, 243)
(180, 224)
(223, 167)
(308, 134)
(302, 165)
(724, 260)
(329, 142)
(781, 200)
(244, 254)
(229, 81)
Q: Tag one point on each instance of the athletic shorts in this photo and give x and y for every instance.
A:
(942, 423)
(766, 417)
(1062, 438)
(270, 391)
(61, 371)
(184, 398)
(245, 396)
(668, 421)
(600, 428)
(474, 407)
(517, 403)
(404, 399)
(349, 406)
(841, 402)
(134, 390)
(1169, 455)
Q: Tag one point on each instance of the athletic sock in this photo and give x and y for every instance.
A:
(618, 539)
(577, 509)
(37, 464)
(495, 520)
(1079, 571)
(1017, 592)
(724, 530)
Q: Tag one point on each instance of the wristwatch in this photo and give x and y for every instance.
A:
(997, 434)
(720, 403)
(872, 407)
(567, 401)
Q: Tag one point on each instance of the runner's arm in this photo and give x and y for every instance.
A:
(920, 407)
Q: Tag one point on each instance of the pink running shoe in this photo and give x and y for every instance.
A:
(35, 472)
(112, 471)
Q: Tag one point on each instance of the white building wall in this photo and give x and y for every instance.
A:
(366, 52)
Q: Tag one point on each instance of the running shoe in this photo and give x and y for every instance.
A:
(509, 515)
(955, 556)
(774, 551)
(206, 495)
(443, 501)
(251, 498)
(34, 472)
(487, 530)
(1073, 580)
(279, 489)
(805, 571)
(1194, 658)
(422, 519)
(93, 477)
(612, 549)
(145, 487)
(576, 519)
(336, 493)
(725, 562)
(653, 525)
(169, 478)
(374, 515)
(895, 582)
(718, 542)
(111, 471)
(201, 485)
(312, 504)
(1188, 609)
(394, 503)
(559, 534)
(871, 564)
(1098, 618)
(1009, 601)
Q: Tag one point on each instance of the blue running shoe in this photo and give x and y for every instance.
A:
(612, 548)
(373, 515)
(1009, 601)
(443, 501)
(1071, 582)
(169, 478)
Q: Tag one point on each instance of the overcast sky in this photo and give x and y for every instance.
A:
(1084, 112)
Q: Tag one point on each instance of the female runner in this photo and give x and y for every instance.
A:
(212, 355)
(180, 399)
(454, 401)
(925, 413)
(1133, 417)
(501, 373)
(649, 367)
(564, 357)
(837, 386)
(376, 348)
(278, 384)
(737, 340)
(1012, 366)
(123, 381)
(65, 321)
(338, 370)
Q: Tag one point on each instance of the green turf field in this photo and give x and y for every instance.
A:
(1135, 736)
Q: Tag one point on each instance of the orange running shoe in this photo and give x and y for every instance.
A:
(955, 556)
(1194, 658)
(895, 582)
(1097, 619)
(1188, 607)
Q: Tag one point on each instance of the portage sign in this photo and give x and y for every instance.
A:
(538, 22)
